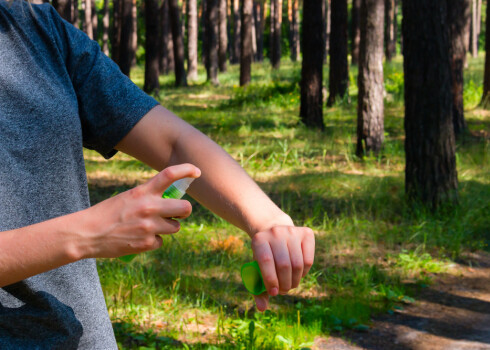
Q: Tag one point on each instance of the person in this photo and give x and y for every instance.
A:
(58, 94)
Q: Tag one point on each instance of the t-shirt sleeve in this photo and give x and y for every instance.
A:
(110, 104)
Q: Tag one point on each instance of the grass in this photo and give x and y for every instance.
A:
(373, 251)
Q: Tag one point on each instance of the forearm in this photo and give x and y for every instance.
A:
(224, 187)
(37, 248)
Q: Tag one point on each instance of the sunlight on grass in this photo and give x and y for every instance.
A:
(371, 247)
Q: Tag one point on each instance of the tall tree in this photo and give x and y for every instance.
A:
(355, 30)
(88, 19)
(474, 28)
(276, 20)
(458, 13)
(246, 43)
(390, 29)
(212, 9)
(192, 32)
(166, 52)
(430, 173)
(95, 21)
(370, 108)
(75, 16)
(105, 28)
(178, 43)
(259, 20)
(294, 30)
(235, 58)
(134, 34)
(486, 78)
(126, 49)
(223, 36)
(339, 69)
(311, 111)
(116, 31)
(327, 24)
(151, 47)
(64, 8)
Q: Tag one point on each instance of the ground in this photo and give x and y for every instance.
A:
(452, 313)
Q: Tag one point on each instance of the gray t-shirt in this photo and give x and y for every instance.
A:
(58, 94)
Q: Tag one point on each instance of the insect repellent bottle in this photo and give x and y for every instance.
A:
(252, 278)
(175, 191)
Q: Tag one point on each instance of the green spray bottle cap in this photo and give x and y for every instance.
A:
(252, 278)
(176, 191)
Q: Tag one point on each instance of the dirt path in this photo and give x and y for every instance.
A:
(453, 313)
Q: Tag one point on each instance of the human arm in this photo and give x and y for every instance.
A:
(284, 252)
(130, 222)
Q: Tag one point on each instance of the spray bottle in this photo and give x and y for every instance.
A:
(175, 191)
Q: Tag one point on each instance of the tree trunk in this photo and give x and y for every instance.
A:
(235, 58)
(64, 8)
(458, 13)
(486, 78)
(212, 40)
(474, 28)
(246, 43)
(105, 29)
(259, 17)
(370, 108)
(95, 21)
(390, 32)
(294, 29)
(276, 19)
(355, 31)
(75, 16)
(166, 52)
(126, 51)
(151, 47)
(192, 32)
(116, 31)
(311, 109)
(88, 19)
(430, 173)
(339, 69)
(134, 37)
(223, 36)
(178, 43)
(327, 24)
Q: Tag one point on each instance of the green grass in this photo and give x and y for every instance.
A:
(373, 251)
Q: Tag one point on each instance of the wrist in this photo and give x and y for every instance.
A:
(279, 219)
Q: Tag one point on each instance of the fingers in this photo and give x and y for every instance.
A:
(263, 254)
(262, 301)
(283, 265)
(160, 182)
(308, 247)
(297, 262)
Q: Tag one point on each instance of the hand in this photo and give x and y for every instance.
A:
(285, 255)
(132, 222)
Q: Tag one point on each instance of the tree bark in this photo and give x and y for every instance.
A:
(370, 107)
(327, 24)
(178, 43)
(88, 19)
(192, 32)
(212, 12)
(64, 8)
(151, 47)
(166, 52)
(259, 17)
(126, 50)
(486, 77)
(355, 31)
(235, 58)
(339, 69)
(294, 30)
(134, 36)
(223, 36)
(458, 13)
(311, 109)
(430, 173)
(105, 28)
(276, 19)
(390, 31)
(95, 21)
(75, 16)
(246, 43)
(116, 31)
(474, 28)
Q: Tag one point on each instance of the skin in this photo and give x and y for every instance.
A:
(133, 221)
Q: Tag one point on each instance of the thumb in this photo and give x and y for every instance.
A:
(160, 182)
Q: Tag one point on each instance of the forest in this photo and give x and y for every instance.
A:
(366, 120)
